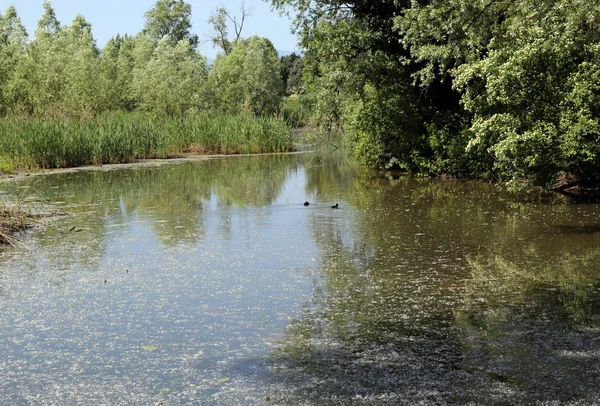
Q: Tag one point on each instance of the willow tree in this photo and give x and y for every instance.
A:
(40, 74)
(13, 39)
(82, 90)
(248, 79)
(116, 74)
(173, 81)
(170, 18)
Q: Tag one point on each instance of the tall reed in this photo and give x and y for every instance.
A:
(123, 137)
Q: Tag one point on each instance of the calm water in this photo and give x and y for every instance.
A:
(210, 283)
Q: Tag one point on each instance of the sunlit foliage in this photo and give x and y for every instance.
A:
(507, 90)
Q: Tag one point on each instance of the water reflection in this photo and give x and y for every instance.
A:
(446, 292)
(210, 283)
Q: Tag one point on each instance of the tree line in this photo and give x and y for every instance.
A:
(504, 90)
(61, 72)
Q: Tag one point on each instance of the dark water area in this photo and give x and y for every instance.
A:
(211, 283)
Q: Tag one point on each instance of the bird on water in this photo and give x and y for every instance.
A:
(306, 203)
(336, 206)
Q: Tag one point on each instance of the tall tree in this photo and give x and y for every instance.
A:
(219, 36)
(174, 80)
(42, 72)
(172, 18)
(82, 92)
(13, 39)
(248, 79)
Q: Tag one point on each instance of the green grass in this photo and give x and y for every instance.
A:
(123, 137)
(299, 110)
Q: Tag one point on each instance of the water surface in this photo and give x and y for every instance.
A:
(209, 282)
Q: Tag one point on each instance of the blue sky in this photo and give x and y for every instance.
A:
(111, 17)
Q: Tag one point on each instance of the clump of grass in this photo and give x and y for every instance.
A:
(221, 134)
(12, 222)
(299, 110)
(30, 143)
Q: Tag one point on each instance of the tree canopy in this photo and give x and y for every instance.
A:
(466, 87)
(61, 72)
(172, 18)
(248, 79)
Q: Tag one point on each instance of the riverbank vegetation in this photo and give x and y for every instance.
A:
(123, 137)
(494, 90)
(12, 222)
(66, 102)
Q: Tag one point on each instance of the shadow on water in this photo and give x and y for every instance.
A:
(445, 292)
(591, 229)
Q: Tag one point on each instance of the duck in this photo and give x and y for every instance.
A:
(306, 203)
(336, 206)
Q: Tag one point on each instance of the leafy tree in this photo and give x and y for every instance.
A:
(82, 85)
(174, 79)
(170, 18)
(248, 79)
(526, 70)
(124, 80)
(116, 69)
(48, 24)
(292, 68)
(13, 39)
(40, 75)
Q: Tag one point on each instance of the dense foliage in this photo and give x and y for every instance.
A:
(61, 72)
(248, 79)
(123, 137)
(466, 87)
(65, 102)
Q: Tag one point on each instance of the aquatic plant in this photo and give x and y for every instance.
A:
(123, 137)
(13, 221)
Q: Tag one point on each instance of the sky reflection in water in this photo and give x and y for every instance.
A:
(210, 283)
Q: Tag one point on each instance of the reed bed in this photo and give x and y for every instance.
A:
(299, 110)
(124, 137)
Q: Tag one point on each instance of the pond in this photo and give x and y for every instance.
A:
(209, 282)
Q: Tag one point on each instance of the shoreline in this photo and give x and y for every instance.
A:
(22, 174)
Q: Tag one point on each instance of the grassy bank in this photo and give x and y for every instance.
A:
(124, 137)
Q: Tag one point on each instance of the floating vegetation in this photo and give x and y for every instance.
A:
(12, 222)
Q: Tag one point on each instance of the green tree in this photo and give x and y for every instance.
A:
(170, 18)
(13, 39)
(116, 70)
(173, 81)
(248, 79)
(82, 92)
(292, 68)
(526, 71)
(40, 75)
